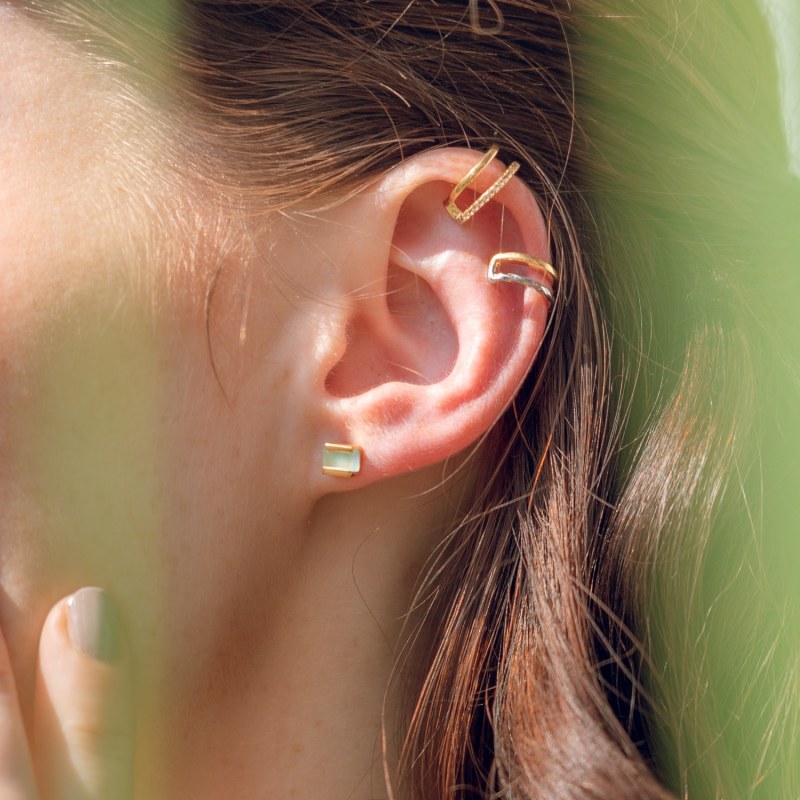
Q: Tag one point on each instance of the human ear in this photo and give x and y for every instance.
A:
(428, 352)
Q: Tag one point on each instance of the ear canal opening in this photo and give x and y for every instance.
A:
(407, 339)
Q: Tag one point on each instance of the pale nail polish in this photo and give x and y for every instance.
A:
(92, 623)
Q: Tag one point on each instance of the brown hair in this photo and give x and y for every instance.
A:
(536, 604)
(602, 482)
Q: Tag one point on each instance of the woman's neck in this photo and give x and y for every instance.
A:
(291, 699)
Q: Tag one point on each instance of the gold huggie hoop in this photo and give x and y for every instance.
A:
(462, 216)
(533, 263)
(341, 460)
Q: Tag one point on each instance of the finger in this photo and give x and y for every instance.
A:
(83, 717)
(16, 772)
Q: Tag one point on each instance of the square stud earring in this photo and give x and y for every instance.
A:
(341, 460)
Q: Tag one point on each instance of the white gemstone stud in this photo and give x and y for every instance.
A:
(341, 460)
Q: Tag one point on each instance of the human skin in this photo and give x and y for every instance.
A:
(170, 453)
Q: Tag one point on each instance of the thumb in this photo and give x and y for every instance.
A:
(83, 710)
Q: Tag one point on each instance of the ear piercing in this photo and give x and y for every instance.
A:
(495, 276)
(341, 460)
(462, 216)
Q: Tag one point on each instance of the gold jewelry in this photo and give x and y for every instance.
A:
(341, 460)
(533, 263)
(462, 216)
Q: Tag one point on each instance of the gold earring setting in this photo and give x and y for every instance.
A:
(341, 460)
(461, 216)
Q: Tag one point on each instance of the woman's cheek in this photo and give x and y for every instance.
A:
(79, 349)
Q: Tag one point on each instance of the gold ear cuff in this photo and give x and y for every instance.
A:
(495, 276)
(341, 460)
(462, 216)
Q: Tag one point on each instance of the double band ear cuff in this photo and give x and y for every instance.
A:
(341, 460)
(495, 276)
(462, 216)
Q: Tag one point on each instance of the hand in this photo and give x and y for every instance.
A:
(81, 745)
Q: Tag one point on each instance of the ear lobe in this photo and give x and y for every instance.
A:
(435, 351)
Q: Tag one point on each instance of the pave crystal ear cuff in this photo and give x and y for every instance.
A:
(461, 216)
(341, 460)
(495, 276)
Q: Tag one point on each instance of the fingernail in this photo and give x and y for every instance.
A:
(92, 623)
